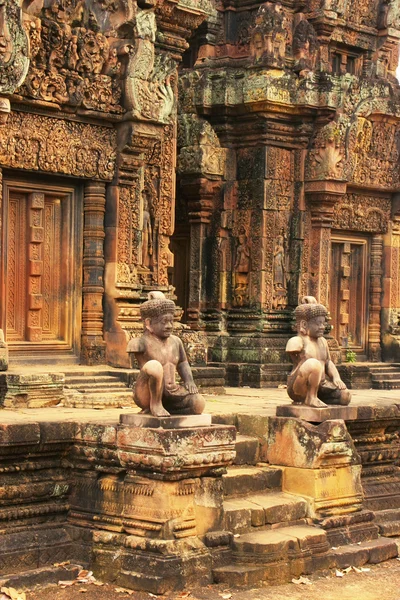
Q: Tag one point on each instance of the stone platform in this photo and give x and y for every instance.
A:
(80, 486)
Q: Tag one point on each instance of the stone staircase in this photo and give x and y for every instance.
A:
(105, 389)
(268, 537)
(388, 522)
(385, 376)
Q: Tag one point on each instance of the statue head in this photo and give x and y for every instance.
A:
(310, 317)
(158, 314)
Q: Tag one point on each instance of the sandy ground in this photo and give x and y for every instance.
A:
(381, 581)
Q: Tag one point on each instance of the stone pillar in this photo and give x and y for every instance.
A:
(375, 297)
(93, 345)
(201, 194)
(322, 197)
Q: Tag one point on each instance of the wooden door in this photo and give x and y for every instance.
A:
(40, 269)
(348, 295)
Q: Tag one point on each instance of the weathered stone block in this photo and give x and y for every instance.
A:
(31, 390)
(328, 490)
(296, 443)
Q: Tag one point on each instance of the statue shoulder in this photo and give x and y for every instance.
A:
(136, 345)
(295, 344)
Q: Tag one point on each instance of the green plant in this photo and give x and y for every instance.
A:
(351, 356)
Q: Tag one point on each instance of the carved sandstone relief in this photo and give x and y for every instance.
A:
(14, 49)
(362, 213)
(150, 77)
(72, 61)
(373, 150)
(268, 36)
(35, 142)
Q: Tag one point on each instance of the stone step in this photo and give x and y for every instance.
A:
(277, 558)
(260, 510)
(373, 552)
(84, 373)
(98, 387)
(117, 399)
(247, 450)
(386, 385)
(388, 522)
(239, 481)
(92, 379)
(386, 376)
(271, 545)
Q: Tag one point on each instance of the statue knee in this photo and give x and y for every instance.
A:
(198, 404)
(153, 368)
(345, 397)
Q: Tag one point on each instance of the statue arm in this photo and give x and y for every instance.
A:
(185, 371)
(136, 346)
(332, 371)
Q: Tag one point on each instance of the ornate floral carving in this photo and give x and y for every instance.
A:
(14, 59)
(36, 142)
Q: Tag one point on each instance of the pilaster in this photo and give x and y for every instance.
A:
(94, 202)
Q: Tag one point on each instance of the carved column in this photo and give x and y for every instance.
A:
(375, 297)
(322, 197)
(93, 345)
(202, 196)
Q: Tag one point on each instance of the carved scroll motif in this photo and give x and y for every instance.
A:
(36, 142)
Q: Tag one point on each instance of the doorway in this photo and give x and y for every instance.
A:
(41, 269)
(349, 293)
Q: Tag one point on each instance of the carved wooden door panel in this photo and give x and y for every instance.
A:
(348, 295)
(40, 268)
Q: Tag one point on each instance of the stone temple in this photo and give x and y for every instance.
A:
(236, 155)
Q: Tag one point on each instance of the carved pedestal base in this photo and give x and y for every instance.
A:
(145, 506)
(317, 415)
(31, 390)
(330, 491)
(321, 464)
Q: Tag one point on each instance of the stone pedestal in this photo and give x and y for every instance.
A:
(321, 463)
(317, 415)
(144, 502)
(31, 390)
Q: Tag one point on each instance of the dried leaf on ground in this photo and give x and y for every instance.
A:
(226, 596)
(62, 564)
(302, 580)
(120, 590)
(13, 593)
(65, 584)
(339, 573)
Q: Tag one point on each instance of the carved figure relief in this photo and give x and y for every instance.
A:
(72, 61)
(149, 77)
(305, 47)
(201, 151)
(373, 152)
(268, 36)
(279, 299)
(241, 270)
(14, 49)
